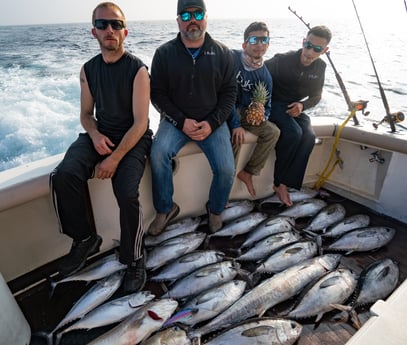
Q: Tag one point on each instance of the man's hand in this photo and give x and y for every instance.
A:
(106, 168)
(238, 136)
(295, 109)
(197, 130)
(102, 144)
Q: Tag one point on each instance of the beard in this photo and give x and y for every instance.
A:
(194, 34)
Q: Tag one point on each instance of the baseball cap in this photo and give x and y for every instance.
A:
(184, 4)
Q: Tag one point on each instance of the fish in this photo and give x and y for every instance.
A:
(241, 225)
(98, 270)
(270, 292)
(305, 208)
(347, 224)
(173, 248)
(110, 312)
(327, 216)
(376, 282)
(96, 295)
(287, 256)
(140, 325)
(202, 279)
(266, 246)
(260, 331)
(170, 336)
(334, 287)
(236, 209)
(180, 227)
(270, 226)
(295, 196)
(187, 263)
(213, 301)
(363, 239)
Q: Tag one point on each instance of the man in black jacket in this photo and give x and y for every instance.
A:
(298, 79)
(193, 87)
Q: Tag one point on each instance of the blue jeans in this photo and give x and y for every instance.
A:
(294, 146)
(217, 149)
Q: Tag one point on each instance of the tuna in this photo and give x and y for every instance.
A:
(349, 223)
(334, 287)
(363, 239)
(295, 195)
(173, 248)
(111, 312)
(98, 270)
(241, 225)
(376, 282)
(270, 292)
(237, 209)
(270, 226)
(213, 301)
(139, 325)
(261, 331)
(96, 295)
(202, 279)
(180, 227)
(327, 216)
(305, 208)
(188, 263)
(266, 246)
(287, 256)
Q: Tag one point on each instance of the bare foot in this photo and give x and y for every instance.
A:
(283, 195)
(247, 179)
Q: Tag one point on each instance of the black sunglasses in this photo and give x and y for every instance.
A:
(309, 45)
(102, 24)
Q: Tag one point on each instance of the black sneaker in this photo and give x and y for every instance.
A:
(80, 251)
(136, 276)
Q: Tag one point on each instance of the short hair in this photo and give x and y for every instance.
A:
(108, 4)
(255, 26)
(321, 31)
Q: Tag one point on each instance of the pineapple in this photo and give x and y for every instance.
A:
(255, 111)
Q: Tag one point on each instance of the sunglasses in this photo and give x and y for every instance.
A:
(309, 45)
(187, 16)
(256, 39)
(102, 24)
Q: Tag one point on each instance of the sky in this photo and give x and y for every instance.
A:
(21, 12)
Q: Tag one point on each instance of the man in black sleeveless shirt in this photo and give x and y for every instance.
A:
(115, 93)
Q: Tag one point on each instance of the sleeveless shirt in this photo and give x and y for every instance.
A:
(111, 86)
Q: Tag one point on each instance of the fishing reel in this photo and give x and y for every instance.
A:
(391, 119)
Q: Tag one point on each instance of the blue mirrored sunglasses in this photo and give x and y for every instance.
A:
(256, 39)
(102, 24)
(309, 45)
(186, 16)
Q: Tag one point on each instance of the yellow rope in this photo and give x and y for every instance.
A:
(324, 175)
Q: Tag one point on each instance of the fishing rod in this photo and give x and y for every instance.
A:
(359, 105)
(390, 118)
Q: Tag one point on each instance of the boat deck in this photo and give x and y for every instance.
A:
(43, 312)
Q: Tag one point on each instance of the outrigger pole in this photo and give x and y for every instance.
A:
(391, 118)
(352, 106)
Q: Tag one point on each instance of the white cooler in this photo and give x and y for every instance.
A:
(14, 328)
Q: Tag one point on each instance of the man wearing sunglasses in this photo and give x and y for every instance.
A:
(298, 79)
(115, 94)
(193, 87)
(250, 71)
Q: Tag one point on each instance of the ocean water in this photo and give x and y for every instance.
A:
(40, 64)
